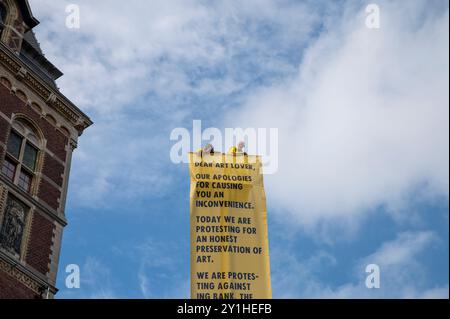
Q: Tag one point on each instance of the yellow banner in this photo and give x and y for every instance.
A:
(229, 236)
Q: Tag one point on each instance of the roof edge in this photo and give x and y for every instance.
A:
(27, 15)
(53, 97)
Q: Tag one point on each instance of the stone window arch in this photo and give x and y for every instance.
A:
(23, 155)
(10, 15)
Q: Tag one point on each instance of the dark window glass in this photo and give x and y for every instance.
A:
(29, 156)
(9, 169)
(14, 144)
(25, 181)
(2, 16)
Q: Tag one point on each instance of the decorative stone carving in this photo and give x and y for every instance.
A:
(20, 276)
(73, 144)
(51, 99)
(13, 227)
(21, 74)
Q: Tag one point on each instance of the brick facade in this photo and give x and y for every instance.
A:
(55, 152)
(11, 289)
(53, 169)
(49, 194)
(49, 191)
(56, 140)
(4, 127)
(40, 243)
(32, 104)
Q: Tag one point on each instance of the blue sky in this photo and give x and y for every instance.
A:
(363, 138)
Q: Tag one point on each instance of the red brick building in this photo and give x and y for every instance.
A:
(39, 129)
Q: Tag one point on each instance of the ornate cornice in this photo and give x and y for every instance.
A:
(20, 277)
(53, 97)
(24, 276)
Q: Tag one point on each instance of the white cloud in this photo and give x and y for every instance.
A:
(402, 250)
(365, 121)
(403, 274)
(97, 282)
(119, 162)
(144, 284)
(146, 67)
(160, 46)
(159, 265)
(294, 278)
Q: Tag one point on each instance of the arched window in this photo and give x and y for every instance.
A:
(2, 18)
(22, 155)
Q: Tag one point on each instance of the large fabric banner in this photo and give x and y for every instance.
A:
(229, 235)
